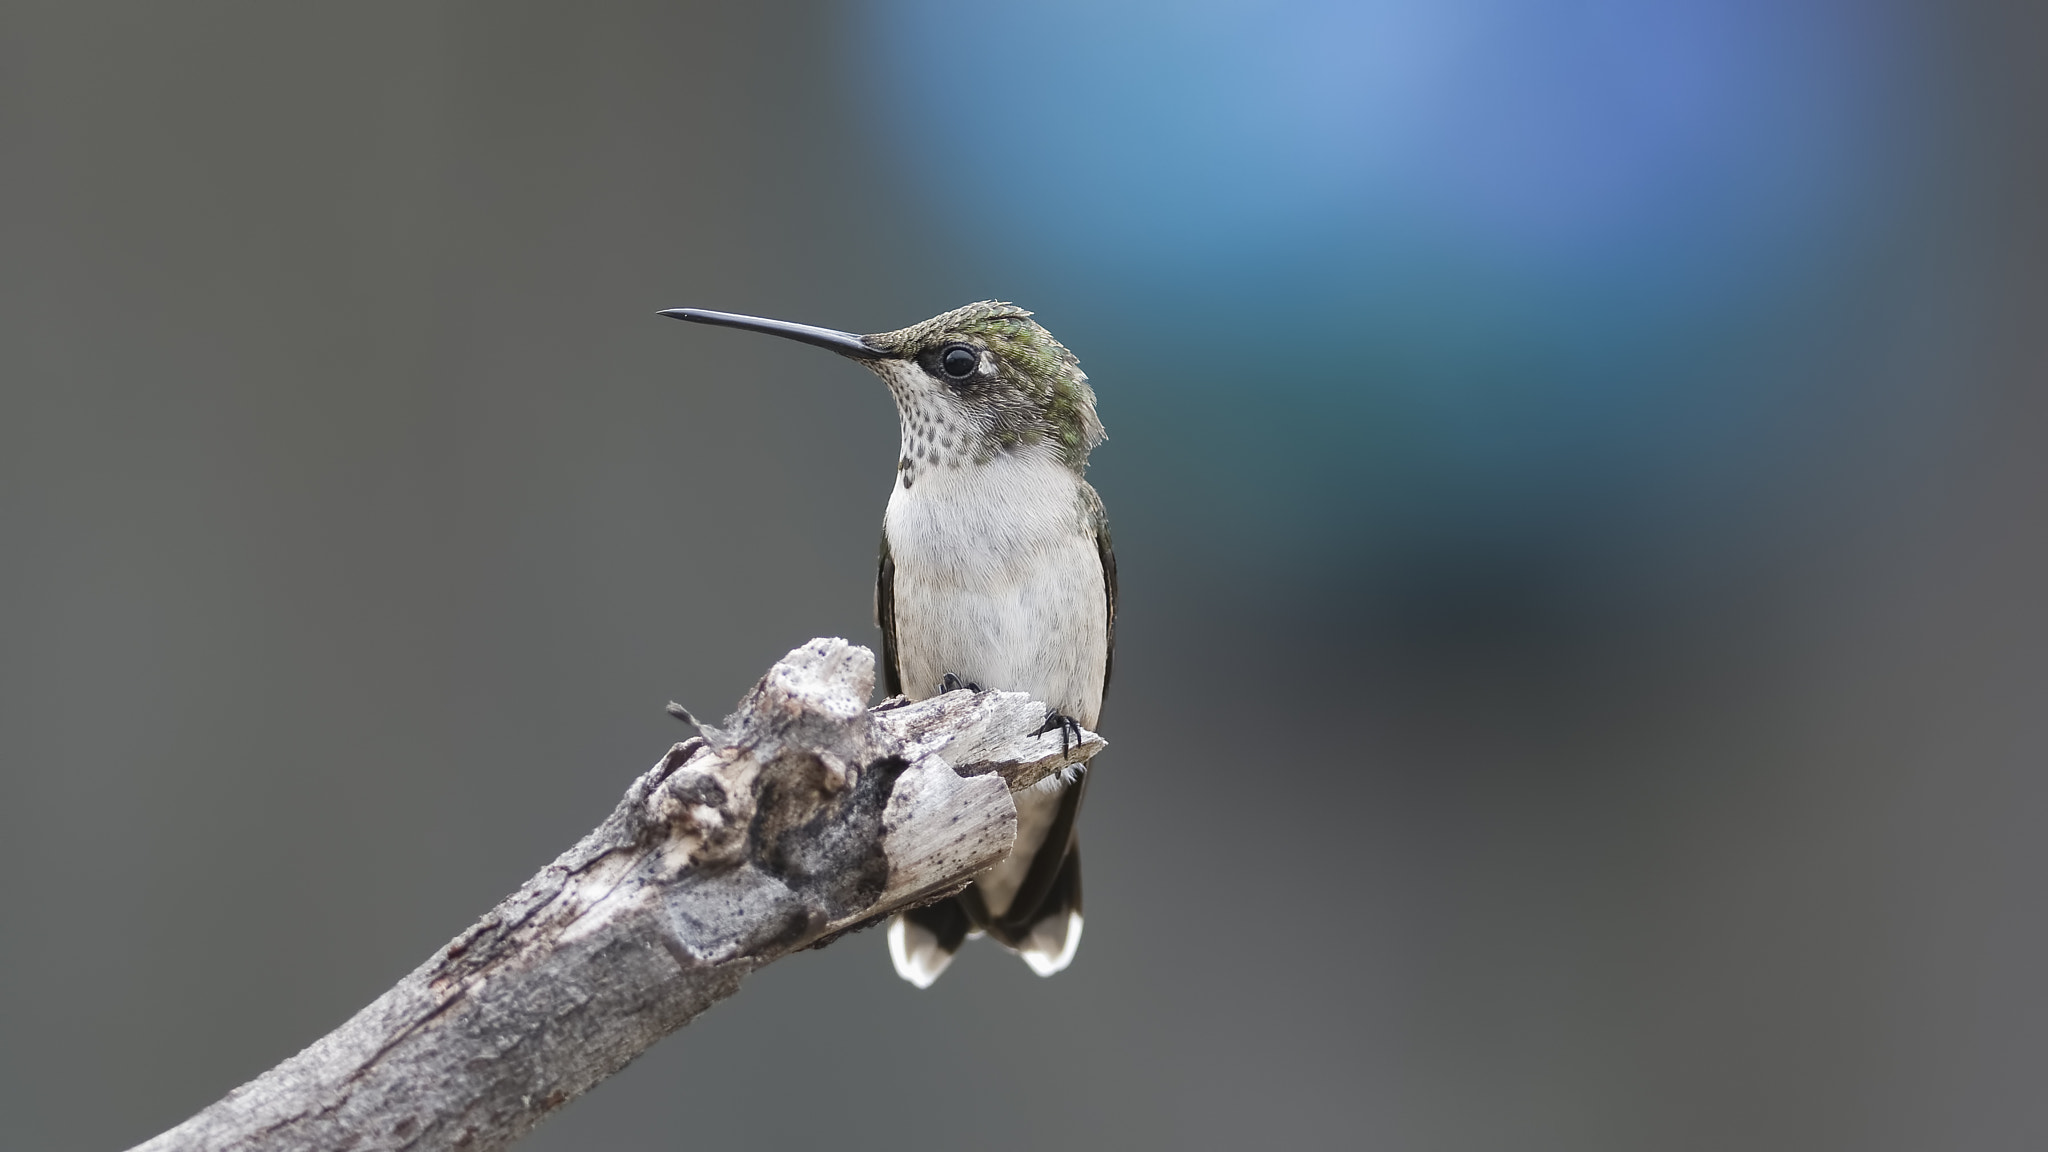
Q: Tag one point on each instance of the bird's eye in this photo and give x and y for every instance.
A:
(960, 361)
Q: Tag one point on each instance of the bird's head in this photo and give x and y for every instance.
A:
(970, 385)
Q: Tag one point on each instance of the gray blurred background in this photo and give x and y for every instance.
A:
(1577, 470)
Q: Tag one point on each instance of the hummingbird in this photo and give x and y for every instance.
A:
(996, 572)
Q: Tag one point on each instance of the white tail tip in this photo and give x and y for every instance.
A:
(916, 953)
(1050, 947)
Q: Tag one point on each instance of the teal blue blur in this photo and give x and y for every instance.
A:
(1477, 271)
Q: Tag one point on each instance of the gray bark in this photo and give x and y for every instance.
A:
(807, 816)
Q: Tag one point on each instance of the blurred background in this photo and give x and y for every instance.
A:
(1577, 472)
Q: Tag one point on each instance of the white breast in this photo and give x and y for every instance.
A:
(998, 581)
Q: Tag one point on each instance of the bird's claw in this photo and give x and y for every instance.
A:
(1069, 729)
(952, 683)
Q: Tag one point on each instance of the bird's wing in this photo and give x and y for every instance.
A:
(885, 617)
(1099, 519)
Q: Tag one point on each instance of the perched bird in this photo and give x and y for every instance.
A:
(996, 573)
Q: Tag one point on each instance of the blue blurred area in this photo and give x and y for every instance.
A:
(1488, 273)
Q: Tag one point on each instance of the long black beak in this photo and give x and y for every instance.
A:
(844, 343)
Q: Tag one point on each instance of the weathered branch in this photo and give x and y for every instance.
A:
(807, 816)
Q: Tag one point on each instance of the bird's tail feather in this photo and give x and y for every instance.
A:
(1042, 922)
(1054, 932)
(922, 941)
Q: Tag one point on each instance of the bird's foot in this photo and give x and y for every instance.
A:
(952, 683)
(1070, 729)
